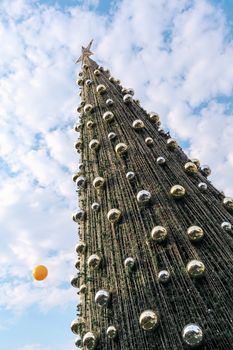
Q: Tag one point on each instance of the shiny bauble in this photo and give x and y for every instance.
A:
(177, 191)
(83, 289)
(78, 145)
(195, 268)
(190, 168)
(111, 79)
(80, 166)
(195, 233)
(94, 145)
(124, 91)
(77, 127)
(226, 226)
(75, 281)
(162, 132)
(108, 116)
(121, 149)
(107, 71)
(153, 117)
(81, 247)
(76, 325)
(81, 182)
(78, 342)
(95, 206)
(98, 182)
(111, 136)
(40, 272)
(78, 216)
(109, 102)
(102, 298)
(96, 72)
(80, 82)
(129, 263)
(160, 160)
(192, 335)
(228, 203)
(77, 264)
(89, 82)
(130, 91)
(130, 175)
(164, 276)
(159, 233)
(101, 89)
(143, 196)
(75, 176)
(88, 108)
(202, 186)
(111, 332)
(138, 124)
(148, 320)
(101, 68)
(137, 102)
(89, 341)
(171, 144)
(85, 66)
(79, 109)
(196, 162)
(128, 99)
(82, 103)
(94, 261)
(90, 124)
(149, 141)
(205, 170)
(114, 215)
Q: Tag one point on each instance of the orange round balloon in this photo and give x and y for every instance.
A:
(40, 272)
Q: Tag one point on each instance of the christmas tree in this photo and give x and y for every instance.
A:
(155, 236)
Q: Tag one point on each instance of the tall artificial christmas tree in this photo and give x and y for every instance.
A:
(155, 237)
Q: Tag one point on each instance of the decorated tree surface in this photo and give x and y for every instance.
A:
(155, 237)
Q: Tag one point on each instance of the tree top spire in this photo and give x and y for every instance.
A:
(85, 52)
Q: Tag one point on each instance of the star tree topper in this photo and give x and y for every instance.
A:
(85, 52)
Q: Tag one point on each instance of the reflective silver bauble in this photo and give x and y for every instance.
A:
(161, 160)
(102, 298)
(143, 196)
(192, 335)
(80, 82)
(161, 131)
(77, 264)
(94, 144)
(159, 233)
(93, 261)
(75, 281)
(121, 148)
(81, 181)
(195, 268)
(228, 203)
(88, 82)
(90, 124)
(195, 233)
(101, 89)
(190, 168)
(83, 289)
(85, 66)
(130, 91)
(80, 247)
(75, 176)
(111, 79)
(128, 98)
(177, 191)
(95, 206)
(124, 91)
(114, 215)
(118, 81)
(98, 182)
(82, 103)
(78, 144)
(149, 141)
(138, 124)
(77, 127)
(96, 72)
(80, 166)
(148, 320)
(101, 68)
(89, 341)
(202, 186)
(196, 162)
(130, 175)
(109, 102)
(88, 108)
(76, 324)
(108, 116)
(164, 276)
(107, 71)
(153, 117)
(171, 144)
(111, 136)
(226, 226)
(111, 332)
(78, 342)
(205, 170)
(79, 216)
(129, 262)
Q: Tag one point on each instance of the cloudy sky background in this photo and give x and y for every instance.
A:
(176, 54)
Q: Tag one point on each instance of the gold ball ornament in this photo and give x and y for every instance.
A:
(138, 124)
(101, 89)
(149, 141)
(228, 203)
(94, 261)
(98, 182)
(196, 162)
(114, 215)
(190, 168)
(94, 145)
(127, 99)
(171, 144)
(40, 272)
(96, 72)
(90, 124)
(195, 233)
(159, 234)
(89, 341)
(121, 149)
(153, 117)
(148, 320)
(195, 268)
(108, 116)
(177, 191)
(111, 332)
(88, 108)
(83, 289)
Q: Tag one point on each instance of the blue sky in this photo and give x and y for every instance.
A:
(177, 56)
